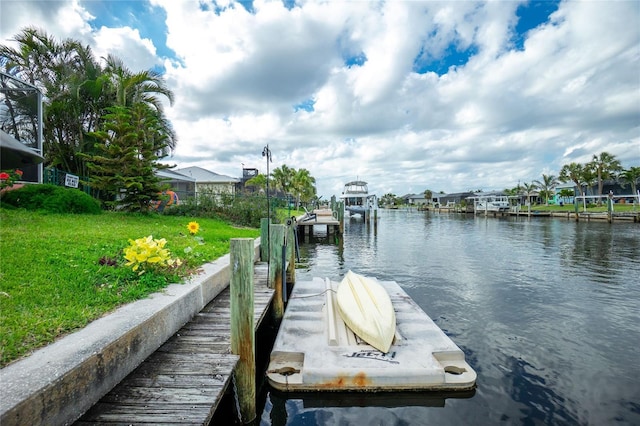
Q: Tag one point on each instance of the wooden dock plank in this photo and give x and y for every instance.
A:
(146, 414)
(184, 380)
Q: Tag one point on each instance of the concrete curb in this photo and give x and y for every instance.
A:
(58, 383)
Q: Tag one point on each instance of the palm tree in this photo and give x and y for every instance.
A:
(58, 70)
(259, 181)
(282, 177)
(389, 199)
(77, 92)
(632, 176)
(547, 186)
(428, 195)
(572, 172)
(605, 166)
(589, 178)
(529, 188)
(303, 186)
(128, 89)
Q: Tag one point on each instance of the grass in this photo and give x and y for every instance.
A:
(59, 272)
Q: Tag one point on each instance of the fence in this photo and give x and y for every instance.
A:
(54, 176)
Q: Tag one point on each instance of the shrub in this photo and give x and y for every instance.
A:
(51, 198)
(238, 209)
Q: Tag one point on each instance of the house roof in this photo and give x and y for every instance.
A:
(205, 176)
(456, 195)
(414, 196)
(173, 175)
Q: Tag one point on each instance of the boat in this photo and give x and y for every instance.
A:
(491, 203)
(316, 351)
(365, 307)
(357, 200)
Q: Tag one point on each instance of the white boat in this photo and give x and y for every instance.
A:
(365, 307)
(491, 203)
(357, 200)
(316, 351)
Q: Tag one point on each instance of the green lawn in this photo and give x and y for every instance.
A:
(59, 272)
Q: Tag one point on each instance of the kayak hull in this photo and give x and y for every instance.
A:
(366, 309)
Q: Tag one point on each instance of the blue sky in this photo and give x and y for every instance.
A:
(407, 95)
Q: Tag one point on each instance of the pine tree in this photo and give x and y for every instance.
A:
(131, 140)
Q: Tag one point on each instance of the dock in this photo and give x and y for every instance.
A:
(315, 351)
(322, 218)
(187, 377)
(633, 216)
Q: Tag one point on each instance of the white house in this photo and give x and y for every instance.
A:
(208, 182)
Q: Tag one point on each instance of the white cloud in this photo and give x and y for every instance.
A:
(127, 44)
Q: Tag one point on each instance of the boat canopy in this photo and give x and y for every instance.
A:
(356, 186)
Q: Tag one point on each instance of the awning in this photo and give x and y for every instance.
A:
(14, 154)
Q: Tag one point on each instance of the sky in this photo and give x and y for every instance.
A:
(448, 96)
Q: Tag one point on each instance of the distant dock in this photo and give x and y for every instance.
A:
(322, 218)
(580, 216)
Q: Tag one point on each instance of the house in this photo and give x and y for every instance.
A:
(208, 182)
(414, 199)
(453, 199)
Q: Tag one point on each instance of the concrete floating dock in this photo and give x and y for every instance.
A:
(316, 351)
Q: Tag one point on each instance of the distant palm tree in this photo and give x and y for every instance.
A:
(632, 176)
(528, 189)
(547, 186)
(605, 166)
(572, 172)
(282, 177)
(303, 186)
(428, 195)
(259, 181)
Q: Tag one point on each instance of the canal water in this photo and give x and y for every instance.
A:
(546, 310)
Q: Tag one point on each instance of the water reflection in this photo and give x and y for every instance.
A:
(353, 408)
(546, 311)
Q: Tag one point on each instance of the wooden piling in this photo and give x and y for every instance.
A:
(264, 239)
(242, 328)
(276, 235)
(291, 252)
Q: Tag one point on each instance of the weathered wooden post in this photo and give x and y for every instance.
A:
(375, 220)
(264, 239)
(291, 252)
(276, 235)
(242, 326)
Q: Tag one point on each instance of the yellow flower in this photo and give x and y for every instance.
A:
(145, 252)
(193, 227)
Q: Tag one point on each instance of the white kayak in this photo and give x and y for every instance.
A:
(366, 309)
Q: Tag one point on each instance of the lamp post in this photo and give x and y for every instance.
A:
(266, 152)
